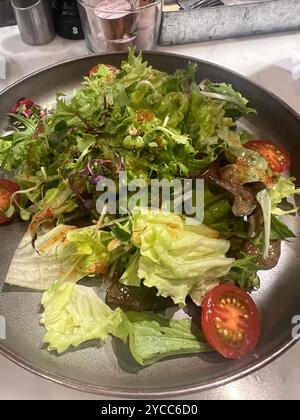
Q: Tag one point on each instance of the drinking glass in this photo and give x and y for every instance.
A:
(35, 21)
(116, 25)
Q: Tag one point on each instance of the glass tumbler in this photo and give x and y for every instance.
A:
(117, 25)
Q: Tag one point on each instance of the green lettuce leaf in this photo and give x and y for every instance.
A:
(90, 247)
(264, 199)
(122, 232)
(4, 147)
(85, 142)
(235, 104)
(201, 288)
(244, 273)
(217, 211)
(152, 337)
(174, 257)
(41, 267)
(24, 151)
(279, 230)
(75, 314)
(59, 201)
(283, 189)
(205, 119)
(130, 276)
(64, 253)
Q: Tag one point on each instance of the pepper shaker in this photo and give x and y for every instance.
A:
(67, 20)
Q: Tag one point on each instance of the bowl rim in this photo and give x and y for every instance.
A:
(146, 393)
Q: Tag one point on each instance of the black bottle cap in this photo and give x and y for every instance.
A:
(67, 20)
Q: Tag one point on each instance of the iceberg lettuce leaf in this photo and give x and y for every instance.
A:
(174, 257)
(64, 252)
(75, 314)
(41, 267)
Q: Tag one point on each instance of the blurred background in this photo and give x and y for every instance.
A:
(6, 13)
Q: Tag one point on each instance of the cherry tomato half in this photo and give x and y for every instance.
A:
(230, 321)
(113, 69)
(277, 156)
(7, 188)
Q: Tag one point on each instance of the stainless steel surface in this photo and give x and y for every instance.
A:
(35, 20)
(112, 373)
(229, 21)
(197, 4)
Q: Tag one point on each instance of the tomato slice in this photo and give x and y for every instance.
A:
(113, 69)
(277, 156)
(7, 188)
(230, 321)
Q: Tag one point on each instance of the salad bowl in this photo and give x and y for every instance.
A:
(108, 370)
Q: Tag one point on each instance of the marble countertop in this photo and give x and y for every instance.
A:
(272, 61)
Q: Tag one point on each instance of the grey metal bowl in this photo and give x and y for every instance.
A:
(109, 370)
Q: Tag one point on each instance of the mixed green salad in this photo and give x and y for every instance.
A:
(151, 125)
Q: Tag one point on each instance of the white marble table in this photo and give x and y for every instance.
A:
(272, 61)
